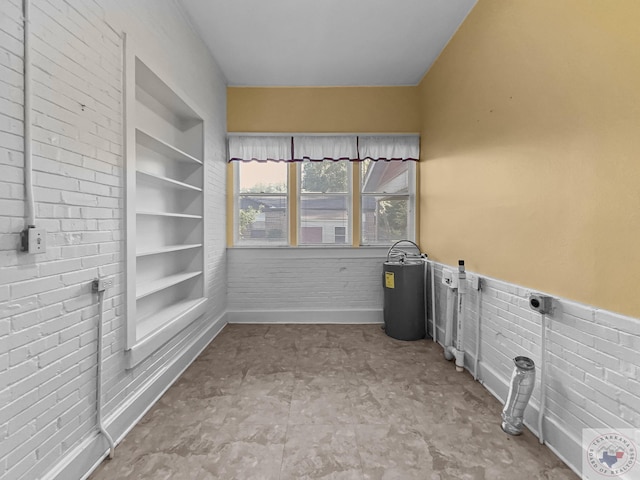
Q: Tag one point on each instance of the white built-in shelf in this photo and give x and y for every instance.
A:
(170, 214)
(154, 322)
(164, 211)
(167, 249)
(160, 146)
(163, 283)
(161, 181)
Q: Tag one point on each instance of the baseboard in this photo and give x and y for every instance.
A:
(80, 462)
(361, 316)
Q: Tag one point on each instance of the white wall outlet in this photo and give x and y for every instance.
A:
(476, 282)
(34, 240)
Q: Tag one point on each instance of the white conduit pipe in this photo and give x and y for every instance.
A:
(28, 160)
(460, 287)
(424, 286)
(477, 353)
(543, 377)
(448, 331)
(433, 303)
(462, 290)
(101, 426)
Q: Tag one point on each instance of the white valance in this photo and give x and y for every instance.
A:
(325, 148)
(283, 148)
(260, 148)
(388, 147)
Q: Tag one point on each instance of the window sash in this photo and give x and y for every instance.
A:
(282, 241)
(410, 231)
(348, 194)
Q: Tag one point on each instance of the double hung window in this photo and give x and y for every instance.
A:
(387, 204)
(324, 202)
(261, 204)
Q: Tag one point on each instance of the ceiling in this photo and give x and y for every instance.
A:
(326, 42)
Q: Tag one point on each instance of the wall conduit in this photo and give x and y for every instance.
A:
(456, 284)
(99, 288)
(433, 302)
(28, 160)
(543, 378)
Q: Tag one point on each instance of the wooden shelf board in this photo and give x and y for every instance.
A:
(154, 323)
(163, 283)
(167, 249)
(168, 214)
(161, 181)
(163, 93)
(163, 148)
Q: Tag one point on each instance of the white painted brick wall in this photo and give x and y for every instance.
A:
(593, 358)
(305, 279)
(48, 314)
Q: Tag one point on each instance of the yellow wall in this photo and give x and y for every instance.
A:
(531, 148)
(323, 109)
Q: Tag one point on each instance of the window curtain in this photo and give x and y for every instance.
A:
(259, 148)
(323, 147)
(389, 147)
(318, 148)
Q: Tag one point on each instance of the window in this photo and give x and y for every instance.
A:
(387, 202)
(262, 206)
(323, 190)
(324, 201)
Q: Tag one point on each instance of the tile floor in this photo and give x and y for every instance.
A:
(326, 402)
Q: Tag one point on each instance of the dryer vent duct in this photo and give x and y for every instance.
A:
(523, 380)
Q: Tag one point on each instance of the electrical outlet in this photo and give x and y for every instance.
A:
(476, 283)
(34, 240)
(101, 284)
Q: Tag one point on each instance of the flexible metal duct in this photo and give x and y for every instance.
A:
(523, 380)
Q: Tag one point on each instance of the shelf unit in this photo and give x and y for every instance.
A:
(165, 212)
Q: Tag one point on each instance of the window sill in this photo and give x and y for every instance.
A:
(312, 251)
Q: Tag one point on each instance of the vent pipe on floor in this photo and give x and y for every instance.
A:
(523, 380)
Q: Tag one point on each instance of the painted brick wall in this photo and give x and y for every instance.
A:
(48, 314)
(309, 279)
(593, 363)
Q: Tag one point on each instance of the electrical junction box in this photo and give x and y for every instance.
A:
(450, 278)
(34, 240)
(476, 283)
(540, 303)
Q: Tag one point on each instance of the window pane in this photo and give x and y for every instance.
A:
(385, 177)
(262, 219)
(384, 219)
(325, 177)
(324, 219)
(262, 177)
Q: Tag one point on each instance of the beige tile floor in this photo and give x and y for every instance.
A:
(326, 402)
